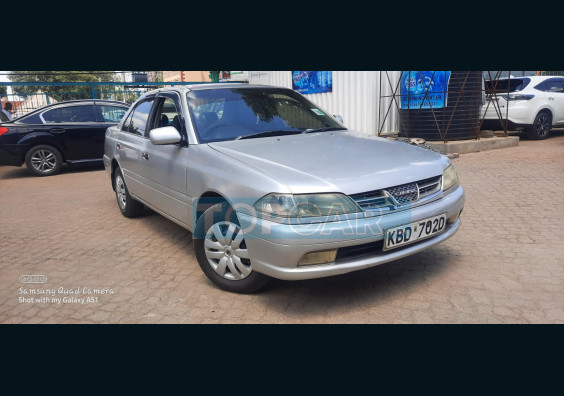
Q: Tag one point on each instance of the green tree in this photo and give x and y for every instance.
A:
(3, 91)
(64, 92)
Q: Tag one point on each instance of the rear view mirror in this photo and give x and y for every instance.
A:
(165, 135)
(339, 118)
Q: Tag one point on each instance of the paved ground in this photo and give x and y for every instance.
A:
(506, 264)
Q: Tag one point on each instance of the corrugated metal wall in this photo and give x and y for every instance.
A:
(356, 97)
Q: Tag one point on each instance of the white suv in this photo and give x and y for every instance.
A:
(534, 104)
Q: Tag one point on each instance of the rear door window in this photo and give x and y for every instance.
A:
(70, 114)
(112, 113)
(551, 86)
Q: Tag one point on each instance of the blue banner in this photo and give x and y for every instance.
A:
(415, 84)
(310, 82)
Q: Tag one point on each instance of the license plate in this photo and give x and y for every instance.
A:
(413, 232)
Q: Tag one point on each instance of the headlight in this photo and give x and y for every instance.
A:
(305, 205)
(450, 177)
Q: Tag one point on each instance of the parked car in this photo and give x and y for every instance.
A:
(273, 186)
(65, 132)
(533, 104)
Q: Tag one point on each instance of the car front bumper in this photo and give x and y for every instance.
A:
(276, 249)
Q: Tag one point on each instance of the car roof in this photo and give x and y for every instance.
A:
(72, 102)
(533, 78)
(206, 86)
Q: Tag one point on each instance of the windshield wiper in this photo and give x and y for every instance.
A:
(277, 132)
(325, 129)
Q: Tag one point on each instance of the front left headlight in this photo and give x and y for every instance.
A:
(450, 177)
(305, 205)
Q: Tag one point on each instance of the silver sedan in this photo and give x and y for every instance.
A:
(273, 186)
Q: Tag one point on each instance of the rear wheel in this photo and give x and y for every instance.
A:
(127, 205)
(541, 127)
(44, 160)
(222, 252)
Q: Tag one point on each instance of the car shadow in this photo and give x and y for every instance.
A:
(304, 299)
(22, 172)
(369, 287)
(554, 132)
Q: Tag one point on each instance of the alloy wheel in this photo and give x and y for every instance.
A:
(542, 125)
(44, 161)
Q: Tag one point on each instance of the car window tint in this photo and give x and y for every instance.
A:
(31, 119)
(112, 113)
(225, 114)
(551, 86)
(70, 114)
(140, 116)
(506, 85)
(126, 123)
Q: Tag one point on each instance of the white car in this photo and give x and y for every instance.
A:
(533, 104)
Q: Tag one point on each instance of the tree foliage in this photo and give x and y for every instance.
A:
(63, 92)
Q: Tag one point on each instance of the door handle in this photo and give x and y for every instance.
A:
(57, 130)
(145, 156)
(550, 98)
(118, 146)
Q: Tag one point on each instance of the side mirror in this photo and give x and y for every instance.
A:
(339, 118)
(165, 135)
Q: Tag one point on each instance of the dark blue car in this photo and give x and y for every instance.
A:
(65, 132)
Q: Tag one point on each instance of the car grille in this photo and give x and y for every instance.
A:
(396, 196)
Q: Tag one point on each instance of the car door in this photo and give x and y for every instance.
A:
(163, 167)
(131, 143)
(77, 129)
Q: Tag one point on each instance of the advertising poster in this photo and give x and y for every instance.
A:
(414, 85)
(310, 82)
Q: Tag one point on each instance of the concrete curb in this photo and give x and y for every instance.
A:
(474, 146)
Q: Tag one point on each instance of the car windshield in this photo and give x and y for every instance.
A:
(228, 114)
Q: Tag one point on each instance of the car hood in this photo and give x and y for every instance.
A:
(349, 162)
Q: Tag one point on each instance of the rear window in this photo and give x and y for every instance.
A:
(30, 119)
(506, 85)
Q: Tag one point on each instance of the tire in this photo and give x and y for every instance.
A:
(44, 160)
(127, 205)
(541, 126)
(222, 253)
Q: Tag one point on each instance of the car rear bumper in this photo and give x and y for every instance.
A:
(276, 249)
(12, 155)
(497, 125)
(519, 116)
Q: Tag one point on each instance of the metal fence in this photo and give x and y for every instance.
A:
(28, 96)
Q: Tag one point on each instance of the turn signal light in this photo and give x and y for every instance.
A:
(3, 130)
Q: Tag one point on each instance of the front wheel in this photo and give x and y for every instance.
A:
(541, 127)
(222, 253)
